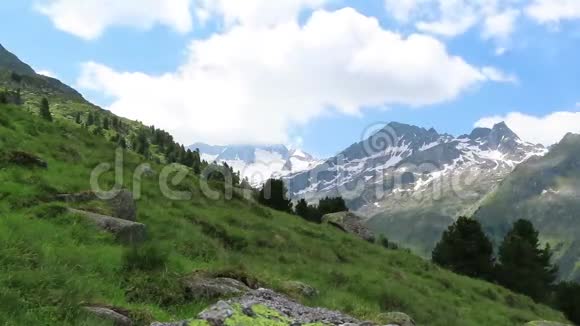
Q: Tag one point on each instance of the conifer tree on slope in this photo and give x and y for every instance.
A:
(45, 110)
(465, 249)
(273, 194)
(524, 266)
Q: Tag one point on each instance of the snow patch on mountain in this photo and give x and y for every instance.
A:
(258, 163)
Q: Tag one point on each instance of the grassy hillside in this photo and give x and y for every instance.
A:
(51, 262)
(544, 191)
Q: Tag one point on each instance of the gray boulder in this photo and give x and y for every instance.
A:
(122, 206)
(299, 288)
(110, 315)
(199, 286)
(349, 223)
(127, 232)
(217, 314)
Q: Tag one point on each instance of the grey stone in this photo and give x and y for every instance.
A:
(217, 314)
(349, 223)
(123, 206)
(397, 319)
(300, 288)
(125, 231)
(109, 314)
(202, 287)
(290, 309)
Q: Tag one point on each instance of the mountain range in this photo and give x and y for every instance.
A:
(258, 163)
(411, 183)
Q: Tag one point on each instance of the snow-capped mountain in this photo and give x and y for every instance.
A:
(411, 183)
(258, 163)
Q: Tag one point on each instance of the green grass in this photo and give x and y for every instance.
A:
(51, 263)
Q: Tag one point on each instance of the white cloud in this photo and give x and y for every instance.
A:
(450, 18)
(496, 75)
(88, 19)
(448, 27)
(500, 25)
(253, 84)
(46, 73)
(499, 51)
(258, 12)
(553, 11)
(546, 130)
(401, 10)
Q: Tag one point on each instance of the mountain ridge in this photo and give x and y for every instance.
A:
(546, 191)
(411, 182)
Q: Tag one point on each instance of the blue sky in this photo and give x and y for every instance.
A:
(315, 73)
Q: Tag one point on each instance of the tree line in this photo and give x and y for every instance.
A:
(274, 194)
(522, 264)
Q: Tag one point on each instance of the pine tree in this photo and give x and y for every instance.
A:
(3, 98)
(273, 194)
(301, 208)
(196, 162)
(465, 249)
(106, 123)
(45, 110)
(90, 119)
(115, 123)
(330, 205)
(18, 97)
(78, 118)
(142, 144)
(307, 212)
(524, 266)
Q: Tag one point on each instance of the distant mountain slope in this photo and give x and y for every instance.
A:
(545, 191)
(11, 62)
(68, 104)
(412, 182)
(258, 163)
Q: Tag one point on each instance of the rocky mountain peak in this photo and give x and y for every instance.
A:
(479, 133)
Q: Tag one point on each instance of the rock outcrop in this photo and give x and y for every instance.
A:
(266, 307)
(350, 223)
(127, 232)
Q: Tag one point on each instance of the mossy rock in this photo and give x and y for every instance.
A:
(396, 318)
